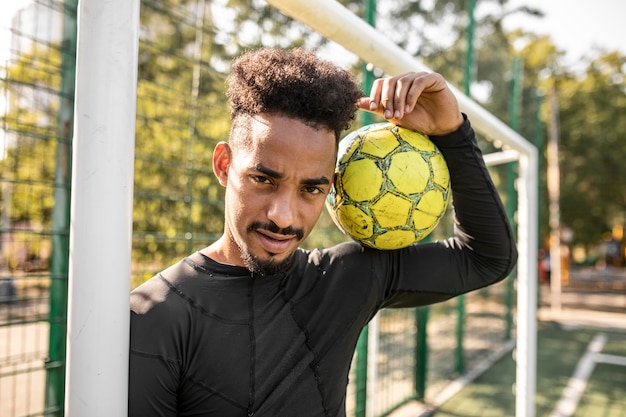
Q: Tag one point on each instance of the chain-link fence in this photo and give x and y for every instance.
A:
(181, 113)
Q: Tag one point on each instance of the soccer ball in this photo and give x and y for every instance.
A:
(391, 188)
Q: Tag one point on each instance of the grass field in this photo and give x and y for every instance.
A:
(597, 390)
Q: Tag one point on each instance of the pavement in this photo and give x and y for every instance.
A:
(590, 297)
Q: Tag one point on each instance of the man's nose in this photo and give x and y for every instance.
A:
(282, 210)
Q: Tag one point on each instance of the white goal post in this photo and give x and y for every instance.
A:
(335, 22)
(101, 209)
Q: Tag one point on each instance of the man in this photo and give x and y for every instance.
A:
(254, 326)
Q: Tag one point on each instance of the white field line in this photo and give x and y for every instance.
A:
(455, 386)
(577, 383)
(611, 359)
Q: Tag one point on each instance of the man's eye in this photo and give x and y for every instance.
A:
(313, 190)
(261, 179)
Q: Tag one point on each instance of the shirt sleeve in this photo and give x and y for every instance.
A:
(482, 250)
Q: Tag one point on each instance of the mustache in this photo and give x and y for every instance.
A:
(272, 227)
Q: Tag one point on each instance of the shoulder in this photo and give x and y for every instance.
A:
(347, 256)
(339, 267)
(343, 252)
(161, 315)
(147, 295)
(163, 287)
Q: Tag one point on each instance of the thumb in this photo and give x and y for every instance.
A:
(366, 103)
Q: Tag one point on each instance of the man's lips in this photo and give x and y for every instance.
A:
(273, 242)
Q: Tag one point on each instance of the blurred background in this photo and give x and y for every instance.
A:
(553, 71)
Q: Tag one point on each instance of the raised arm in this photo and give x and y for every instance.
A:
(482, 250)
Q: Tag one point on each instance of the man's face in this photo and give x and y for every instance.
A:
(276, 184)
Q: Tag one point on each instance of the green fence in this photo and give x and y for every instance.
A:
(181, 113)
(36, 82)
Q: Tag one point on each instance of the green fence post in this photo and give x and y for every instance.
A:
(57, 316)
(539, 142)
(421, 352)
(510, 280)
(369, 15)
(459, 354)
(468, 75)
(360, 371)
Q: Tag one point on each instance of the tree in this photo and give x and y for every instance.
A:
(593, 130)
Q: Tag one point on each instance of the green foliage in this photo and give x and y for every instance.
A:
(181, 115)
(28, 165)
(593, 128)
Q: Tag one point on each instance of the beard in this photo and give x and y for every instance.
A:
(270, 266)
(265, 267)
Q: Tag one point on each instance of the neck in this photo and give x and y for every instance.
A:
(218, 252)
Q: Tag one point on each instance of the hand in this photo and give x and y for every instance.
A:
(419, 101)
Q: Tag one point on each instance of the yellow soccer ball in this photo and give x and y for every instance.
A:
(391, 188)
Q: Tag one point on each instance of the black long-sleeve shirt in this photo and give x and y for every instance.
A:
(209, 339)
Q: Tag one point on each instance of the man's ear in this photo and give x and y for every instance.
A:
(221, 161)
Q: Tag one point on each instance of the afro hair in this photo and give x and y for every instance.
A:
(294, 83)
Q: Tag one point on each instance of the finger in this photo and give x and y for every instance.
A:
(415, 90)
(387, 96)
(364, 103)
(375, 91)
(428, 83)
(399, 97)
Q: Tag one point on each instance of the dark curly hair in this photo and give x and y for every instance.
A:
(293, 83)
